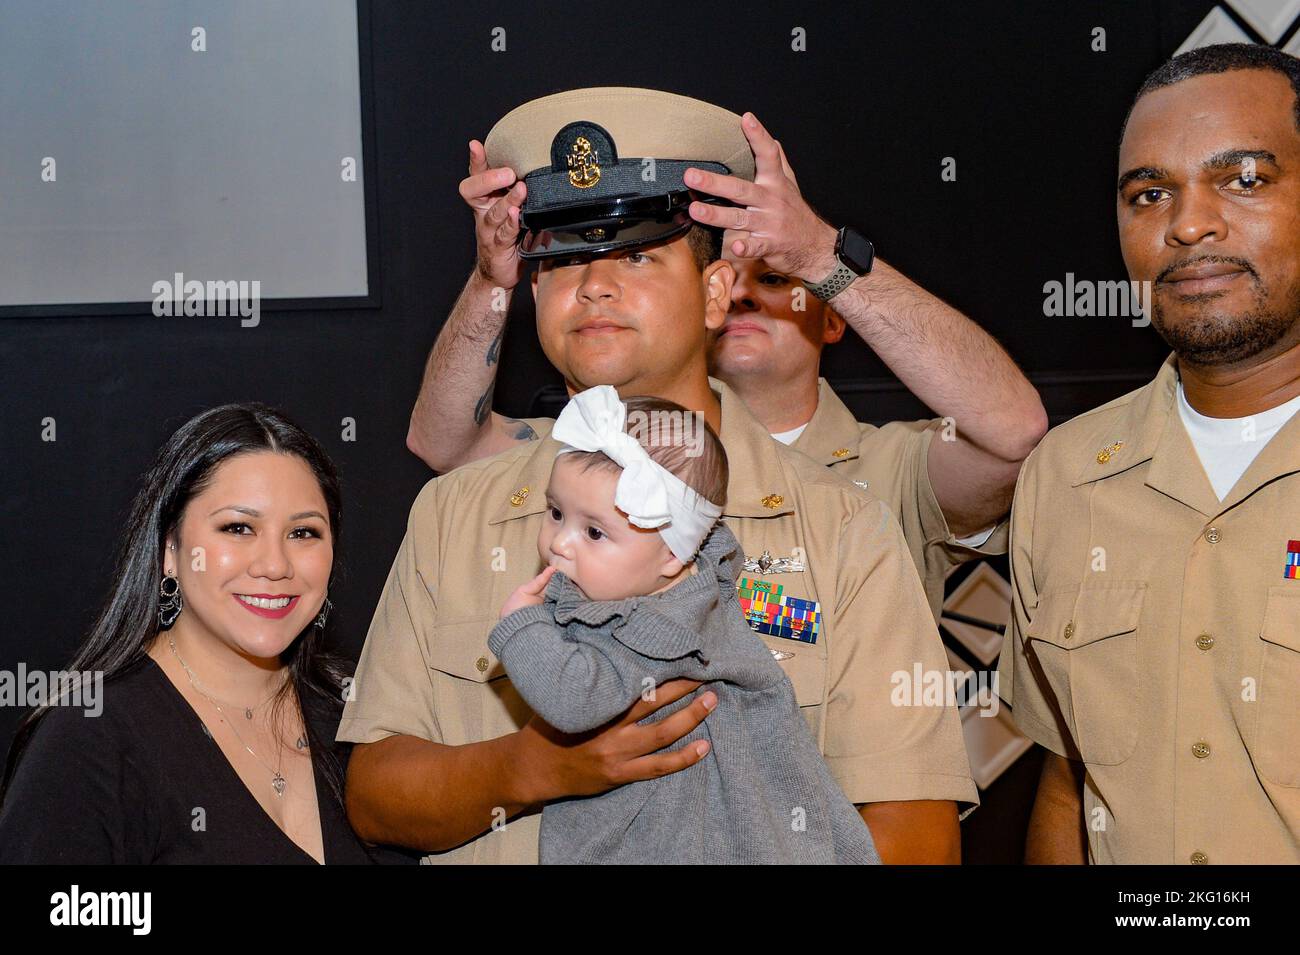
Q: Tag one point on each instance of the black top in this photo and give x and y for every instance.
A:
(125, 787)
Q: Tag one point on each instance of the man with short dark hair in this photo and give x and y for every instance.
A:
(449, 757)
(1155, 541)
(948, 480)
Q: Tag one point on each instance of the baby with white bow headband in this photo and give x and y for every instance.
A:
(620, 523)
(640, 588)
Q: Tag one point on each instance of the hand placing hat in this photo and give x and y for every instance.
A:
(601, 168)
(771, 220)
(495, 196)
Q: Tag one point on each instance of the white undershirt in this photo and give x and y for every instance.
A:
(1228, 446)
(791, 436)
(975, 540)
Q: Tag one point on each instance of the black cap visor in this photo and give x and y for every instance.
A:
(614, 223)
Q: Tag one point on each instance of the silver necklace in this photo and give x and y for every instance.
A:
(198, 685)
(277, 780)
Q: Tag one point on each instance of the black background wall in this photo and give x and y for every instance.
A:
(1012, 91)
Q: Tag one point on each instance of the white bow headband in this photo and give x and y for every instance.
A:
(648, 493)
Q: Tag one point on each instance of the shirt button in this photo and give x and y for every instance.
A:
(482, 664)
(1199, 858)
(1200, 749)
(1212, 535)
(1204, 641)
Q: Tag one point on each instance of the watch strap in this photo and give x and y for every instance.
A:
(833, 284)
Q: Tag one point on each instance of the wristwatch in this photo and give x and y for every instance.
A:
(855, 254)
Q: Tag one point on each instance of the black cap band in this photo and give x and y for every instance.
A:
(590, 201)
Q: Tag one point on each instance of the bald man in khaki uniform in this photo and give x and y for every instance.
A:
(1154, 647)
(447, 748)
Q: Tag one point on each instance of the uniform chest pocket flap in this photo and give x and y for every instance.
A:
(460, 649)
(1277, 732)
(806, 669)
(1086, 641)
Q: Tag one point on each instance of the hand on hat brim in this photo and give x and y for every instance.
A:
(771, 220)
(495, 196)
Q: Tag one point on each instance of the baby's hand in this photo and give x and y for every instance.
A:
(529, 594)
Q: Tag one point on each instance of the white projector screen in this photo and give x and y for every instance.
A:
(219, 139)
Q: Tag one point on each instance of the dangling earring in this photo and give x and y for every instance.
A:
(324, 614)
(170, 601)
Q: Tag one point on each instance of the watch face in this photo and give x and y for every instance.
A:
(855, 250)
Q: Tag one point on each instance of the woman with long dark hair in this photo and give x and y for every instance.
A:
(214, 739)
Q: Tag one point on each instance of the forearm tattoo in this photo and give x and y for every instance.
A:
(483, 407)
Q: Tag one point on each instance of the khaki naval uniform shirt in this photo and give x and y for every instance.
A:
(1156, 636)
(893, 463)
(426, 669)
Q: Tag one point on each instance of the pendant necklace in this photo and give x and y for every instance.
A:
(277, 780)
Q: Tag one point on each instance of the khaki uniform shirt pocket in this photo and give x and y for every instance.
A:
(1086, 643)
(460, 649)
(473, 698)
(1276, 750)
(806, 668)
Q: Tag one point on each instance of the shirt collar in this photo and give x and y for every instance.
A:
(1136, 432)
(525, 491)
(833, 434)
(1150, 429)
(756, 487)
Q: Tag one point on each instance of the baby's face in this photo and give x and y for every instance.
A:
(592, 542)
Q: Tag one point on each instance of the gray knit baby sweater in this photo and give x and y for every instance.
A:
(763, 794)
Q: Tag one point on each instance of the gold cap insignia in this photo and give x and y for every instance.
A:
(584, 164)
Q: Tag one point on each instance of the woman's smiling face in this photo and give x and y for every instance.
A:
(254, 554)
